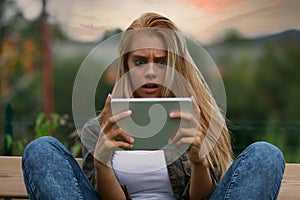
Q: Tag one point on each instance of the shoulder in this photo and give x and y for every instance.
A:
(92, 125)
(89, 136)
(91, 129)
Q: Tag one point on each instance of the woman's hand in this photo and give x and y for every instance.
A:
(192, 135)
(200, 176)
(111, 136)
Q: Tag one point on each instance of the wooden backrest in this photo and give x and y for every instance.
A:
(11, 177)
(12, 184)
(290, 185)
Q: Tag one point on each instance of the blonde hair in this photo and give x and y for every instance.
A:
(214, 126)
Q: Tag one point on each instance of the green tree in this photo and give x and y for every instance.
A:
(277, 79)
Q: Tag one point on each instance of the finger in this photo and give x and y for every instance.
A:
(122, 144)
(114, 119)
(119, 134)
(106, 110)
(117, 138)
(176, 115)
(185, 140)
(194, 142)
(193, 122)
(112, 142)
(183, 132)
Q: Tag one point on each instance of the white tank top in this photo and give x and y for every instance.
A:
(144, 173)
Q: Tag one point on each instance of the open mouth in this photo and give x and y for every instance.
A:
(150, 86)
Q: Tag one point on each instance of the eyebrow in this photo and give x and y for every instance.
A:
(145, 57)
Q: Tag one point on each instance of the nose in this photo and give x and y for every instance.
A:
(150, 72)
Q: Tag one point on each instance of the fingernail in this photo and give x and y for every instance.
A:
(129, 112)
(131, 140)
(172, 115)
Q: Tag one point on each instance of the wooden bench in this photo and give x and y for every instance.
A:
(12, 185)
(11, 177)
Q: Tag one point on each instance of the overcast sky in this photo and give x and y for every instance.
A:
(205, 20)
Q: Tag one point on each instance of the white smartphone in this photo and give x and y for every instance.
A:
(149, 123)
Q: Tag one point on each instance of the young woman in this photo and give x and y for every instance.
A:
(155, 62)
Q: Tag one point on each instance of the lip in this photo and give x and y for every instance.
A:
(150, 90)
(150, 87)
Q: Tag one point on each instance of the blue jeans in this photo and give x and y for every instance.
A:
(51, 172)
(255, 174)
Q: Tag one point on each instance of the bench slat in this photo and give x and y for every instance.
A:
(12, 184)
(290, 186)
(11, 178)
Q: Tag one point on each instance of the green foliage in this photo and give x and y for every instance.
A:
(76, 149)
(9, 141)
(20, 146)
(277, 80)
(263, 95)
(44, 126)
(261, 81)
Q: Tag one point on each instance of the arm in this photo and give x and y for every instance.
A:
(106, 180)
(201, 184)
(108, 186)
(89, 135)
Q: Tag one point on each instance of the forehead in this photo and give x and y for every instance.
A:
(144, 41)
(158, 53)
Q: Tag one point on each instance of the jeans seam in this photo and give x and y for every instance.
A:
(79, 191)
(234, 176)
(31, 186)
(279, 182)
(236, 172)
(67, 156)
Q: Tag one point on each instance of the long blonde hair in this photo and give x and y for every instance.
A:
(214, 126)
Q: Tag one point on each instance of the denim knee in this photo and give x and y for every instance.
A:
(38, 145)
(255, 174)
(268, 152)
(40, 149)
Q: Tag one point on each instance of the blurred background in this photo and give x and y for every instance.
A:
(254, 43)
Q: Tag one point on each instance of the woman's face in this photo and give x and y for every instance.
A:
(147, 66)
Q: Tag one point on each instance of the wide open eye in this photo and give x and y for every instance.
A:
(139, 62)
(161, 62)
